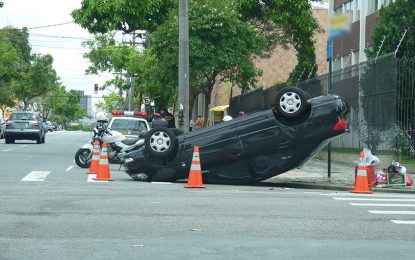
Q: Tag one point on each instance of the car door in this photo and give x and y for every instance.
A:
(218, 145)
(267, 144)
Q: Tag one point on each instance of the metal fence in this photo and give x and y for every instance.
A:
(381, 95)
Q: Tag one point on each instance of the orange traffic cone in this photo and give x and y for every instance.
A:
(361, 184)
(94, 167)
(195, 175)
(104, 168)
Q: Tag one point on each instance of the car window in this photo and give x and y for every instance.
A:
(22, 116)
(129, 125)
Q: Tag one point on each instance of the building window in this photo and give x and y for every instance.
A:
(356, 11)
(372, 6)
(348, 7)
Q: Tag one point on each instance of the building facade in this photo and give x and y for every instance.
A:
(276, 69)
(349, 49)
(85, 102)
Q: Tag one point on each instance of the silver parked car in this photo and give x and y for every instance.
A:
(25, 125)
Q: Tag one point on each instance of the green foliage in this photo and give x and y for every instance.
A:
(102, 16)
(219, 42)
(110, 102)
(392, 23)
(37, 80)
(80, 127)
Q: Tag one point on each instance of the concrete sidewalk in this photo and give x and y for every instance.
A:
(313, 175)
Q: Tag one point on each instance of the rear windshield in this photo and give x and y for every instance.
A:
(22, 116)
(133, 125)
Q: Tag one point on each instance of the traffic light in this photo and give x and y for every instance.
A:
(96, 87)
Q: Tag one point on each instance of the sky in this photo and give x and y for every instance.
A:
(63, 42)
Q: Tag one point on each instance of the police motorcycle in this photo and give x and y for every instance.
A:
(117, 144)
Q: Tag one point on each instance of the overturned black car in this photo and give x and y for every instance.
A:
(246, 149)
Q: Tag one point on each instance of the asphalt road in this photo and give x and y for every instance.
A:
(62, 215)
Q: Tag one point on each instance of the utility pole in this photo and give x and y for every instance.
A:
(184, 66)
(329, 90)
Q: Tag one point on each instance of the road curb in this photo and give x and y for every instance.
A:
(324, 186)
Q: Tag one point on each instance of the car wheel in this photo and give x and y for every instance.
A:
(43, 139)
(290, 102)
(160, 142)
(39, 139)
(7, 140)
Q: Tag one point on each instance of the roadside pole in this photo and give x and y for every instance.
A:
(183, 66)
(330, 60)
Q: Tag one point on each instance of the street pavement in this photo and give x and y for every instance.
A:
(313, 175)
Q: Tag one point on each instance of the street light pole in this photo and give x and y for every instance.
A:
(183, 66)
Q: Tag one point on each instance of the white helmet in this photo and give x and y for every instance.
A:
(227, 118)
(102, 117)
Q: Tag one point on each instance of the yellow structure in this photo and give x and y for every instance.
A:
(218, 113)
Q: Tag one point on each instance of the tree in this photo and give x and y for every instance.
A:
(14, 59)
(111, 102)
(392, 22)
(36, 81)
(102, 16)
(220, 43)
(68, 109)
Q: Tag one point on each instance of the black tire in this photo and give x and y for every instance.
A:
(39, 139)
(7, 140)
(290, 102)
(81, 158)
(43, 139)
(160, 142)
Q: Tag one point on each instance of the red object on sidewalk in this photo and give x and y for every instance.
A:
(371, 176)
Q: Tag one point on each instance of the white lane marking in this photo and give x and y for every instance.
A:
(23, 145)
(36, 176)
(156, 182)
(69, 168)
(392, 212)
(372, 199)
(368, 195)
(404, 222)
(382, 205)
(7, 150)
(91, 177)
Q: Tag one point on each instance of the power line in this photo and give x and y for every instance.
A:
(61, 37)
(51, 25)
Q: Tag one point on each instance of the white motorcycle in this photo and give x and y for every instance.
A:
(117, 146)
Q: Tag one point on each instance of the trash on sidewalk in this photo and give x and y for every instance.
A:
(370, 161)
(396, 175)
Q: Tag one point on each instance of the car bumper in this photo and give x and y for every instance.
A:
(22, 134)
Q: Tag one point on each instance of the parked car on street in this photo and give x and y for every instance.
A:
(246, 149)
(49, 126)
(25, 125)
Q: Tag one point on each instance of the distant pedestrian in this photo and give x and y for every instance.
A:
(168, 117)
(199, 122)
(191, 125)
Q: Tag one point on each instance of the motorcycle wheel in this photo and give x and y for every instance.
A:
(83, 158)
